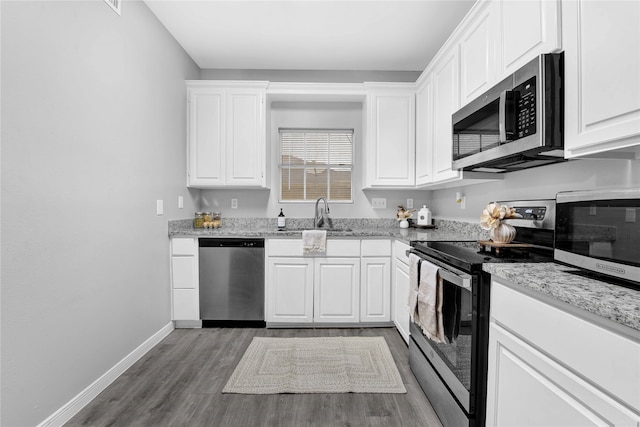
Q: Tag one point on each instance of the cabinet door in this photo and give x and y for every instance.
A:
(375, 290)
(445, 102)
(206, 137)
(390, 144)
(424, 131)
(477, 55)
(290, 290)
(337, 290)
(527, 388)
(602, 83)
(528, 28)
(246, 133)
(185, 304)
(401, 298)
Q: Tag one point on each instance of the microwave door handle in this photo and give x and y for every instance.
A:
(506, 116)
(502, 116)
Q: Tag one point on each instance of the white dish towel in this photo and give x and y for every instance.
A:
(314, 241)
(430, 302)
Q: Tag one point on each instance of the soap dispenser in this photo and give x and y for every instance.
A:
(424, 216)
(282, 223)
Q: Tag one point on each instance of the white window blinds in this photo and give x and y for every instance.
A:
(316, 163)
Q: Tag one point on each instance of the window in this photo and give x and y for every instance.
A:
(316, 163)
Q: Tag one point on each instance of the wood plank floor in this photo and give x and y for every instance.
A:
(179, 383)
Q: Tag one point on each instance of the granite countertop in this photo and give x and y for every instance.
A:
(617, 303)
(355, 228)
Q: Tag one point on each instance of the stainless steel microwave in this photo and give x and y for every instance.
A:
(599, 230)
(517, 124)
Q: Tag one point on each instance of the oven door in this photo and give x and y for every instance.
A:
(453, 360)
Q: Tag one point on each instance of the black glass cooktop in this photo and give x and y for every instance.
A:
(467, 256)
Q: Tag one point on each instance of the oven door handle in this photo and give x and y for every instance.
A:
(459, 279)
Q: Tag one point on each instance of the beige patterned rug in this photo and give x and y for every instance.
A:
(316, 365)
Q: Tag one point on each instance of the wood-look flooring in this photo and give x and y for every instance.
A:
(179, 383)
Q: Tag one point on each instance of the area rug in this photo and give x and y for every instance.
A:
(316, 365)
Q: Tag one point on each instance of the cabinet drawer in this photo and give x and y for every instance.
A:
(183, 246)
(376, 247)
(335, 247)
(604, 357)
(400, 251)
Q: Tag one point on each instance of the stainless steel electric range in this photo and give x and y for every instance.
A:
(453, 373)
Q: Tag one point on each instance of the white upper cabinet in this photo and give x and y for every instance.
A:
(390, 141)
(602, 75)
(424, 131)
(446, 100)
(226, 134)
(528, 28)
(477, 54)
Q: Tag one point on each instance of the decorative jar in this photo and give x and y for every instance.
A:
(503, 233)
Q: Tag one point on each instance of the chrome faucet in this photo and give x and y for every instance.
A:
(320, 213)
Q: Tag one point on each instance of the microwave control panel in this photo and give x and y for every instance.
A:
(525, 108)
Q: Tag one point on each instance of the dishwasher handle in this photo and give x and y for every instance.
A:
(230, 243)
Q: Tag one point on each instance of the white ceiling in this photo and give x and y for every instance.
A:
(382, 35)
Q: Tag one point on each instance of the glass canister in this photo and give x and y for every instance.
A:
(198, 220)
(216, 220)
(207, 216)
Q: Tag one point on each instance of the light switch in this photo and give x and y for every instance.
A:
(180, 202)
(159, 207)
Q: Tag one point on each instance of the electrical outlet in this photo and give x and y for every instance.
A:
(409, 203)
(234, 203)
(379, 202)
(463, 203)
(180, 202)
(630, 215)
(592, 210)
(159, 207)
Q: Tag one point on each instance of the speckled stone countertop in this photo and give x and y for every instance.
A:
(617, 303)
(341, 227)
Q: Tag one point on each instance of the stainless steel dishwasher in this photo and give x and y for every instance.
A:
(232, 282)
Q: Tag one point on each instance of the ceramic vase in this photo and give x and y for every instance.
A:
(503, 233)
(404, 224)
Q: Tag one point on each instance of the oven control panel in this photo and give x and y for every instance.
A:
(538, 214)
(533, 213)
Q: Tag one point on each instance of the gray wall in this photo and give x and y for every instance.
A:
(265, 203)
(537, 183)
(93, 115)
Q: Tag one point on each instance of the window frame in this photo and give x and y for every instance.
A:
(303, 167)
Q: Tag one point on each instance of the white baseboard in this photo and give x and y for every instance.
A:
(66, 412)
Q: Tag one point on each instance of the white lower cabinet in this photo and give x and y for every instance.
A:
(550, 367)
(290, 290)
(185, 299)
(400, 289)
(375, 290)
(336, 290)
(349, 285)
